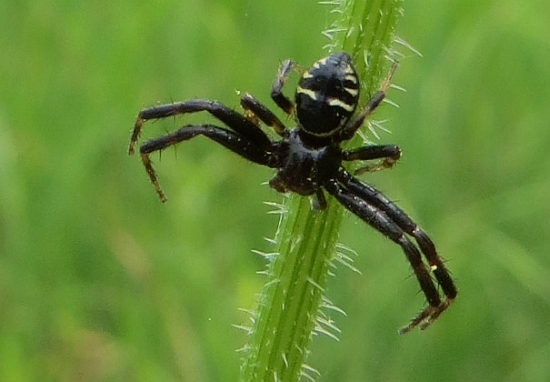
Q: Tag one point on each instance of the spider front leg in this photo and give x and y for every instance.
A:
(376, 198)
(244, 146)
(385, 223)
(228, 116)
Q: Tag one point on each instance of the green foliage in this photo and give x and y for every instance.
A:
(101, 282)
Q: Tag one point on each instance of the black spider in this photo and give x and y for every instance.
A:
(308, 158)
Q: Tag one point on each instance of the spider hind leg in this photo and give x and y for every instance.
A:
(277, 88)
(255, 111)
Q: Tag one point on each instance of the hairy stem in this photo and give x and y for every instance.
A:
(290, 304)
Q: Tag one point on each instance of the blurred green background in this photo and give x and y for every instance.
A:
(99, 281)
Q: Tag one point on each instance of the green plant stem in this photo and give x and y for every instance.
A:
(290, 302)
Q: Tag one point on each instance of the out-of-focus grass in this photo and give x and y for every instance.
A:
(101, 282)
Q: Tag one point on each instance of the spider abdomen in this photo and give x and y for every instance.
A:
(327, 95)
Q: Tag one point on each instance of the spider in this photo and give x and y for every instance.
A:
(308, 158)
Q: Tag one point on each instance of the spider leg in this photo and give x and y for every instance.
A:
(389, 153)
(349, 130)
(318, 201)
(244, 146)
(229, 117)
(277, 88)
(382, 222)
(256, 109)
(375, 198)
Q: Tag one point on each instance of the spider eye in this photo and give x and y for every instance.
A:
(327, 95)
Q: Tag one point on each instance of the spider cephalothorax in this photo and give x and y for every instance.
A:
(308, 158)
